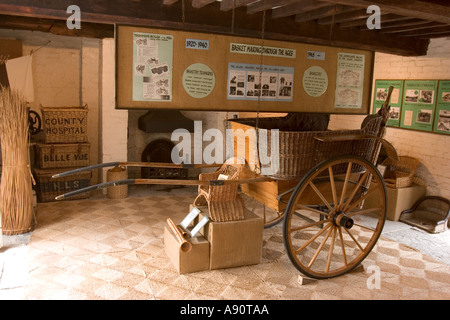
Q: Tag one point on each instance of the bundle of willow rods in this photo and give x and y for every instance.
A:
(16, 197)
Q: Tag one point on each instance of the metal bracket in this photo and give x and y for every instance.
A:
(216, 182)
(189, 218)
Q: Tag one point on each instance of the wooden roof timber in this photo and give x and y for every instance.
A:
(308, 21)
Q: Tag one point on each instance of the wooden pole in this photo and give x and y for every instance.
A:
(185, 245)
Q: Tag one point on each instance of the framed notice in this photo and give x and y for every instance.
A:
(380, 94)
(442, 117)
(152, 65)
(350, 80)
(419, 104)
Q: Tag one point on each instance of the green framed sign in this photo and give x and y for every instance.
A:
(419, 104)
(380, 94)
(442, 116)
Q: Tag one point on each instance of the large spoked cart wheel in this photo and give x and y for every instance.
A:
(329, 226)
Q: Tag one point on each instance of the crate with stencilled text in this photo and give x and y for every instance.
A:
(62, 155)
(64, 124)
(48, 188)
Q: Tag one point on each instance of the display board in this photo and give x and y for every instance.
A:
(422, 105)
(169, 69)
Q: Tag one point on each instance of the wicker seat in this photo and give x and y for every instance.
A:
(223, 201)
(429, 213)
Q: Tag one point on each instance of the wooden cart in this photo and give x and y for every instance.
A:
(319, 191)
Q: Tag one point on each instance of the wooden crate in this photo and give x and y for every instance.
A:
(64, 124)
(47, 188)
(267, 192)
(62, 155)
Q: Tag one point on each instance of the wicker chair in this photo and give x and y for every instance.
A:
(223, 201)
(430, 213)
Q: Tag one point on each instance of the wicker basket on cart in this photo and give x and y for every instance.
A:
(400, 174)
(299, 151)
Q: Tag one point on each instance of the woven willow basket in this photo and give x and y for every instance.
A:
(117, 192)
(400, 174)
(299, 151)
(65, 124)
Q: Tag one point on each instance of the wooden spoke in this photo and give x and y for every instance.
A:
(330, 252)
(355, 189)
(333, 187)
(354, 239)
(311, 225)
(344, 189)
(359, 200)
(363, 212)
(300, 206)
(324, 201)
(365, 227)
(342, 246)
(312, 239)
(313, 259)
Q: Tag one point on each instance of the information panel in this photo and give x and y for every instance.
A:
(422, 105)
(419, 104)
(172, 69)
(442, 119)
(380, 95)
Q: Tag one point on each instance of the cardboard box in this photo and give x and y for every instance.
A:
(399, 199)
(197, 259)
(234, 243)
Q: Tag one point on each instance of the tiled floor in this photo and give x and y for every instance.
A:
(114, 249)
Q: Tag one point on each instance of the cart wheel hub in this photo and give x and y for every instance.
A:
(340, 219)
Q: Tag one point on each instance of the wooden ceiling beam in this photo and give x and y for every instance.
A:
(411, 8)
(385, 18)
(58, 27)
(400, 23)
(322, 13)
(298, 7)
(212, 20)
(344, 17)
(226, 5)
(432, 36)
(419, 27)
(201, 3)
(426, 31)
(259, 6)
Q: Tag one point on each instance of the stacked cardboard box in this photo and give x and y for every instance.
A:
(65, 148)
(218, 245)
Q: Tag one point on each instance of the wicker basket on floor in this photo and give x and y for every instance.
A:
(400, 174)
(115, 174)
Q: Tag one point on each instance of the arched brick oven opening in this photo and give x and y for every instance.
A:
(160, 151)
